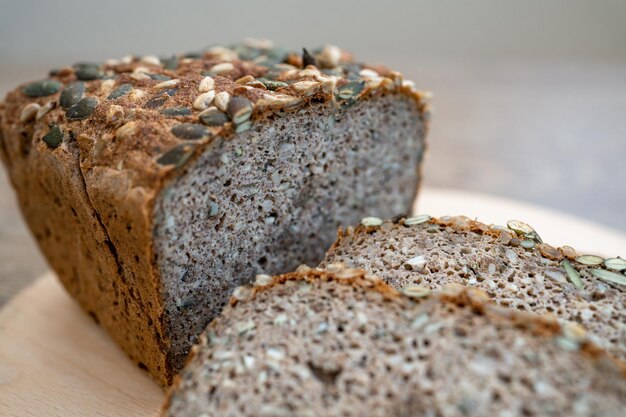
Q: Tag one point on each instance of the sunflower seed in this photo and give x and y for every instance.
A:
(371, 221)
(329, 56)
(307, 59)
(42, 88)
(244, 80)
(239, 109)
(159, 77)
(28, 112)
(415, 291)
(221, 100)
(207, 84)
(222, 68)
(139, 75)
(150, 60)
(568, 252)
(416, 262)
(309, 72)
(204, 100)
(54, 137)
(83, 109)
(415, 220)
(175, 111)
(190, 131)
(278, 101)
(126, 131)
(572, 274)
(167, 84)
(616, 264)
(590, 260)
(87, 71)
(368, 73)
(242, 127)
(120, 91)
(308, 88)
(609, 276)
(519, 228)
(177, 156)
(72, 93)
(549, 252)
(43, 110)
(213, 117)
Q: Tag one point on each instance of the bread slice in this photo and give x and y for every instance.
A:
(343, 343)
(156, 186)
(510, 263)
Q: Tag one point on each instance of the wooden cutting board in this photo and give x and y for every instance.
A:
(55, 361)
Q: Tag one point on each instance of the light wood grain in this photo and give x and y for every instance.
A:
(55, 361)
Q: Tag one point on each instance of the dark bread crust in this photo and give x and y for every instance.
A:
(89, 202)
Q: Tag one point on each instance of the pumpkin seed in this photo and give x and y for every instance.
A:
(239, 109)
(177, 156)
(190, 131)
(42, 88)
(54, 137)
(616, 264)
(371, 221)
(176, 111)
(572, 274)
(590, 260)
(87, 71)
(120, 91)
(609, 276)
(415, 291)
(413, 221)
(83, 109)
(72, 93)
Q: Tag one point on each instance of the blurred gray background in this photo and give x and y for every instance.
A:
(530, 96)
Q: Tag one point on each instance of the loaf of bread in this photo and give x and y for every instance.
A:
(156, 186)
(511, 264)
(343, 343)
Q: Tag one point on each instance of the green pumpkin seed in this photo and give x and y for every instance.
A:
(371, 221)
(527, 244)
(616, 264)
(120, 91)
(72, 93)
(87, 71)
(83, 109)
(170, 63)
(239, 109)
(190, 131)
(590, 260)
(177, 156)
(176, 111)
(609, 276)
(350, 90)
(159, 77)
(572, 274)
(413, 221)
(272, 85)
(523, 229)
(54, 137)
(42, 88)
(213, 117)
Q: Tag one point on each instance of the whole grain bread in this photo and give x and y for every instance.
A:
(155, 186)
(342, 343)
(511, 264)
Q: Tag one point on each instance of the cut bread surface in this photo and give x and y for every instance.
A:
(343, 343)
(273, 197)
(511, 264)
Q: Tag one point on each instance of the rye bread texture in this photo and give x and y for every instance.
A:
(340, 342)
(155, 186)
(511, 264)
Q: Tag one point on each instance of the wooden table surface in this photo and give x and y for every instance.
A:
(549, 134)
